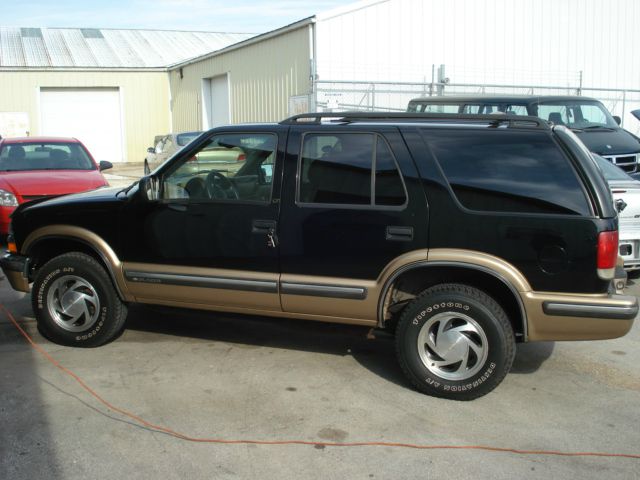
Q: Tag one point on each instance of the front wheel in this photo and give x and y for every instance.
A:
(454, 341)
(75, 302)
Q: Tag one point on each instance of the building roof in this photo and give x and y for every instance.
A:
(68, 48)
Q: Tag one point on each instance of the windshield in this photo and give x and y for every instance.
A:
(577, 114)
(184, 138)
(610, 171)
(44, 156)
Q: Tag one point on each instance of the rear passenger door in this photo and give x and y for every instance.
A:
(351, 204)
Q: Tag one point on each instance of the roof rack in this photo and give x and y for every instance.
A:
(494, 120)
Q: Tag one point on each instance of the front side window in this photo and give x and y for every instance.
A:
(229, 167)
(576, 114)
(508, 172)
(44, 156)
(349, 169)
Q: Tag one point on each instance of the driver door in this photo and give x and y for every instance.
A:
(210, 238)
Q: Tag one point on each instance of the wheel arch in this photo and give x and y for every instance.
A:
(48, 242)
(411, 279)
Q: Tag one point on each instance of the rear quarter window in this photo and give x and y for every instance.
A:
(505, 171)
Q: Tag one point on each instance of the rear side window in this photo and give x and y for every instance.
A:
(349, 169)
(434, 108)
(508, 172)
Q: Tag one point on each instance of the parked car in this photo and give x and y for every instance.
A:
(459, 237)
(164, 147)
(587, 117)
(626, 190)
(42, 167)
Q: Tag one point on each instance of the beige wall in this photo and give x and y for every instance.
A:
(144, 99)
(262, 77)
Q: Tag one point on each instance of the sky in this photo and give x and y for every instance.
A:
(241, 16)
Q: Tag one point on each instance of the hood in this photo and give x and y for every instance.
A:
(609, 142)
(36, 183)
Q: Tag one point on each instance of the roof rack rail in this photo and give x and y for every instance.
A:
(350, 117)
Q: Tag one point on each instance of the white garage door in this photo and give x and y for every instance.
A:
(92, 115)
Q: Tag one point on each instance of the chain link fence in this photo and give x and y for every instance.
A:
(377, 96)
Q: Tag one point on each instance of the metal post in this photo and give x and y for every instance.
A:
(433, 78)
(441, 77)
(373, 97)
(579, 91)
(624, 107)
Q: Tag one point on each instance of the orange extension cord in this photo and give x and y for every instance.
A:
(188, 438)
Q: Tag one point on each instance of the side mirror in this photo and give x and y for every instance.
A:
(151, 150)
(104, 165)
(148, 187)
(617, 119)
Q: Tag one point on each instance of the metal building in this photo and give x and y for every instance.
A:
(109, 88)
(380, 53)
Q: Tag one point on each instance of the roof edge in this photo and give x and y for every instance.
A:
(82, 69)
(250, 41)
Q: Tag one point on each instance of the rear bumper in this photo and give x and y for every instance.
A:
(579, 317)
(15, 268)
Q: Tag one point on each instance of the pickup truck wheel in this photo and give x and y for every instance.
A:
(75, 302)
(454, 341)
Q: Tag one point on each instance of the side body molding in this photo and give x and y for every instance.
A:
(91, 240)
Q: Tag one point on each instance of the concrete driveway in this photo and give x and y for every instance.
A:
(226, 377)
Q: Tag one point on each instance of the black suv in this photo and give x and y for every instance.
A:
(461, 234)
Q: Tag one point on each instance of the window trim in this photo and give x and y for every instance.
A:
(352, 206)
(200, 201)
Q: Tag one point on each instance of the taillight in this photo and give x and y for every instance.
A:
(241, 157)
(607, 254)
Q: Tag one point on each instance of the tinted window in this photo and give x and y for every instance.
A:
(508, 171)
(44, 156)
(338, 169)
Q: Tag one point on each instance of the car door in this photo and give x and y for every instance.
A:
(210, 238)
(347, 212)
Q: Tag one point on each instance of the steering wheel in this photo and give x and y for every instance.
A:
(220, 187)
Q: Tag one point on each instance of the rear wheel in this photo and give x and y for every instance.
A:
(454, 341)
(75, 302)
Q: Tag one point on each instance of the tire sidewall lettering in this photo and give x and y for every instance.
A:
(41, 301)
(432, 380)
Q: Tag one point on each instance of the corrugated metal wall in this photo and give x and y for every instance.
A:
(262, 77)
(489, 41)
(144, 100)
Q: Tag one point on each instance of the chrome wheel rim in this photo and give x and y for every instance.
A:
(452, 346)
(73, 303)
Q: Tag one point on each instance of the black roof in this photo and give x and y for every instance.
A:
(521, 99)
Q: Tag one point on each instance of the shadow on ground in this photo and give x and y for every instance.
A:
(374, 352)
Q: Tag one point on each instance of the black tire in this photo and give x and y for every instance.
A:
(442, 325)
(75, 302)
(147, 170)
